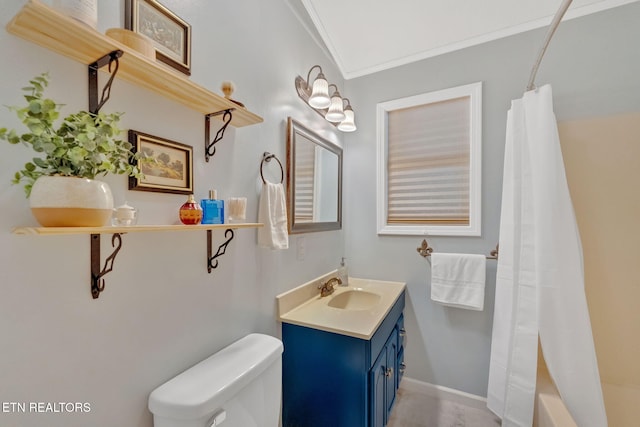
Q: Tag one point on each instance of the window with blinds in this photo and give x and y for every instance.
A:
(429, 163)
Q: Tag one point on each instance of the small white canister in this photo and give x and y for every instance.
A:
(83, 10)
(124, 215)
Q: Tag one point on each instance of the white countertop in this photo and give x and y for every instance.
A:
(303, 306)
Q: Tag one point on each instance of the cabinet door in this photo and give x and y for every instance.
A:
(377, 381)
(391, 372)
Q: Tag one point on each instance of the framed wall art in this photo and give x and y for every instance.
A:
(168, 167)
(170, 34)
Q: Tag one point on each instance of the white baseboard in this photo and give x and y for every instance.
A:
(444, 393)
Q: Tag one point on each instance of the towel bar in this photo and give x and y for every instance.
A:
(425, 250)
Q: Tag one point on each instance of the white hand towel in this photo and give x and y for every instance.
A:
(457, 280)
(272, 213)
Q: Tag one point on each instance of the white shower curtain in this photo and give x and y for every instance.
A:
(540, 281)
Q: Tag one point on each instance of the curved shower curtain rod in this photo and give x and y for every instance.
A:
(552, 29)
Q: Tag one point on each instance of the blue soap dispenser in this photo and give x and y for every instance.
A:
(213, 209)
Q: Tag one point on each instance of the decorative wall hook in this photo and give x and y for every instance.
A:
(209, 147)
(495, 252)
(425, 250)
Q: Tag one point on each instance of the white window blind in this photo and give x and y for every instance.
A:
(304, 173)
(429, 163)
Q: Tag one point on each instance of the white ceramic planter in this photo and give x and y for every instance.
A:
(61, 201)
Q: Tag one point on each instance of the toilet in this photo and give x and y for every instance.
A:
(239, 386)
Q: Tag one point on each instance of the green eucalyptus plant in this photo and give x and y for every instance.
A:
(84, 145)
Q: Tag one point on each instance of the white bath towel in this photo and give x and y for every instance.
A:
(273, 214)
(457, 280)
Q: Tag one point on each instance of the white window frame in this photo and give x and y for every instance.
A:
(474, 92)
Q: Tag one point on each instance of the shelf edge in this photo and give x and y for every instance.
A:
(52, 231)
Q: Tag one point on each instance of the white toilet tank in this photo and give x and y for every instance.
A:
(239, 386)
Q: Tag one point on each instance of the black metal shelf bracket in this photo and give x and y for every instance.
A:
(212, 262)
(109, 59)
(209, 147)
(97, 274)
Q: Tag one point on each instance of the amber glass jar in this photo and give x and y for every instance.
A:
(191, 212)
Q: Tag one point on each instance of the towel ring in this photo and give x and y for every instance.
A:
(266, 157)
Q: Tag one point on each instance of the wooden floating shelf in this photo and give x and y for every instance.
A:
(45, 26)
(98, 272)
(51, 231)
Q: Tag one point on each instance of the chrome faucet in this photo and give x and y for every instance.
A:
(327, 287)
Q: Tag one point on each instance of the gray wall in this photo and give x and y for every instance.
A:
(161, 312)
(593, 65)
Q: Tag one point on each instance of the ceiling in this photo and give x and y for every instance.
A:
(366, 36)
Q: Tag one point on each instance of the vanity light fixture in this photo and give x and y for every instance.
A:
(332, 108)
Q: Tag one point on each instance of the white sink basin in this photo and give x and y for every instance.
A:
(355, 300)
(355, 310)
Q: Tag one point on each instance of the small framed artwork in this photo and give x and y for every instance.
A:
(168, 165)
(170, 34)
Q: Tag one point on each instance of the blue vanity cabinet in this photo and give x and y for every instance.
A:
(330, 379)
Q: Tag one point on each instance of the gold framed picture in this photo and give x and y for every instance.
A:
(167, 165)
(170, 34)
